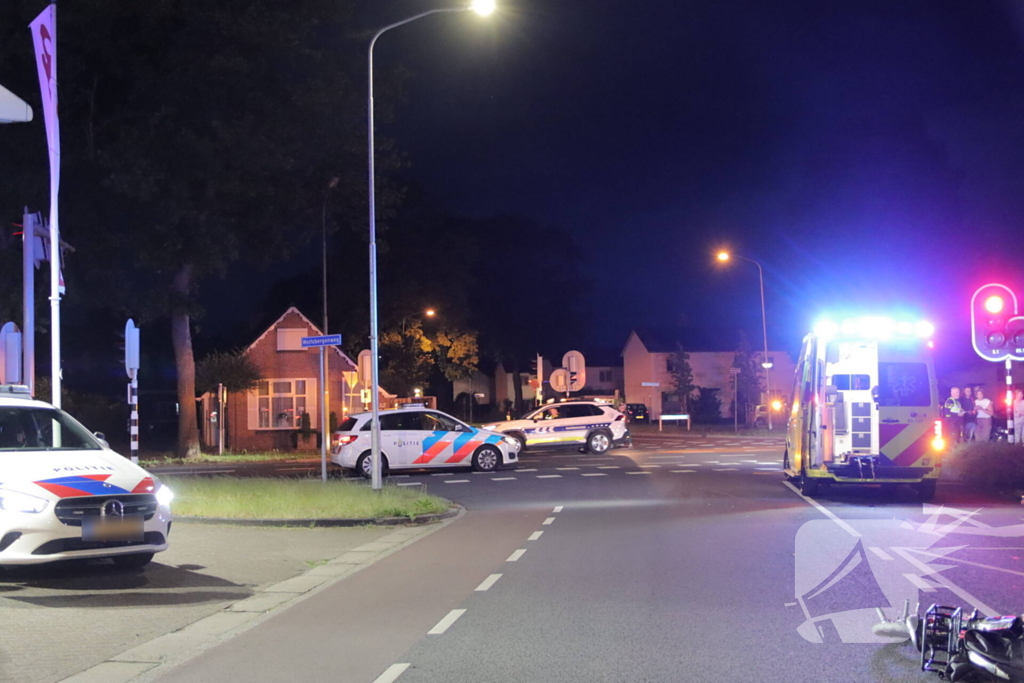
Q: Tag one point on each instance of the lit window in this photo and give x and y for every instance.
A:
(280, 404)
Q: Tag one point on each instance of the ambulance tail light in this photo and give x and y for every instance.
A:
(938, 442)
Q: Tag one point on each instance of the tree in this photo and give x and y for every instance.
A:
(234, 369)
(411, 357)
(707, 408)
(199, 134)
(682, 375)
(748, 381)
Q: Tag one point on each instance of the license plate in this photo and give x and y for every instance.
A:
(112, 529)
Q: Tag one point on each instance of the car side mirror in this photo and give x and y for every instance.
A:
(102, 438)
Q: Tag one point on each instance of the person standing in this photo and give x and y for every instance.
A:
(969, 415)
(952, 415)
(983, 409)
(1018, 415)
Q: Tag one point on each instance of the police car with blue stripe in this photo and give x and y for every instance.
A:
(597, 427)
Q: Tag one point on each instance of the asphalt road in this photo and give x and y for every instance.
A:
(683, 558)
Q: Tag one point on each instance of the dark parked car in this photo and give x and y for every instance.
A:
(637, 412)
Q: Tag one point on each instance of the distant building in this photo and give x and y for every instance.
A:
(269, 417)
(647, 377)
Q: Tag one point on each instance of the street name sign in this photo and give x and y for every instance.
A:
(650, 384)
(323, 340)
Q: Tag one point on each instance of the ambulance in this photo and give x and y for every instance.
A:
(865, 407)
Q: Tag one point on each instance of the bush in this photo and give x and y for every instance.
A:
(995, 465)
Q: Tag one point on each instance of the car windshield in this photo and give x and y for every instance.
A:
(42, 429)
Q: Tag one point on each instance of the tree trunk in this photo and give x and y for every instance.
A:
(185, 364)
(517, 390)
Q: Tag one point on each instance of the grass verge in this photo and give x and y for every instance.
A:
(295, 499)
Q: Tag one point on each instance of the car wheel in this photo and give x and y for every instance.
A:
(486, 459)
(133, 561)
(926, 490)
(364, 465)
(808, 486)
(599, 442)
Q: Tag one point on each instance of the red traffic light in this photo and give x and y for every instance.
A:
(997, 330)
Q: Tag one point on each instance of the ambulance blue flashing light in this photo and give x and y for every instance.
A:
(874, 328)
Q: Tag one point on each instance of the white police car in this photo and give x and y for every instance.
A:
(417, 437)
(64, 494)
(589, 424)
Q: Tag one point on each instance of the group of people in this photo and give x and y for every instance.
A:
(968, 415)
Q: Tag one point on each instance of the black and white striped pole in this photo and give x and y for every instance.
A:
(131, 366)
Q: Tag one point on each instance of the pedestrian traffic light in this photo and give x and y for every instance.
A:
(997, 331)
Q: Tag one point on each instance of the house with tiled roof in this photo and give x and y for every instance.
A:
(268, 417)
(647, 374)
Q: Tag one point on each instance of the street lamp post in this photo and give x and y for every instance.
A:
(765, 363)
(482, 7)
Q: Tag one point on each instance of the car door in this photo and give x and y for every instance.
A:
(907, 402)
(547, 426)
(400, 438)
(447, 441)
(578, 421)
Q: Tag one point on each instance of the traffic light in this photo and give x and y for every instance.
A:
(997, 331)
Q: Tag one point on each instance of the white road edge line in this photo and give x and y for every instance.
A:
(825, 511)
(514, 557)
(392, 673)
(488, 582)
(535, 535)
(549, 520)
(443, 625)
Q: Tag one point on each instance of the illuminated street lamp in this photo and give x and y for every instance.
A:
(430, 313)
(765, 363)
(483, 8)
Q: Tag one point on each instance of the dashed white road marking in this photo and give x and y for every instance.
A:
(639, 473)
(594, 474)
(445, 623)
(528, 470)
(609, 467)
(535, 535)
(514, 557)
(399, 476)
(549, 476)
(881, 553)
(409, 483)
(456, 481)
(919, 583)
(549, 520)
(392, 673)
(488, 582)
(684, 471)
(566, 469)
(440, 474)
(649, 466)
(558, 508)
(726, 469)
(503, 479)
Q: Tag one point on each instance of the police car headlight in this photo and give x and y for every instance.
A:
(12, 501)
(490, 428)
(164, 495)
(514, 443)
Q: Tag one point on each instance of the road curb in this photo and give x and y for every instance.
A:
(328, 522)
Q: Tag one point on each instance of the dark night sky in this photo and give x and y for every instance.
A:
(868, 154)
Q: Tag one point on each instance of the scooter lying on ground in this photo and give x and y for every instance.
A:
(962, 648)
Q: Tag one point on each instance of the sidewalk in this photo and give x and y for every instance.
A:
(82, 617)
